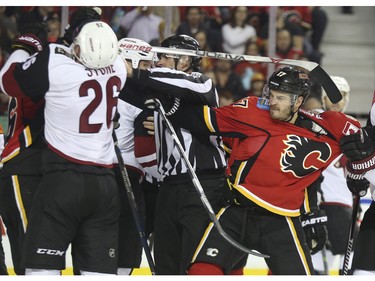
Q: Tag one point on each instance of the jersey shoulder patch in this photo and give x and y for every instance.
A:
(61, 51)
(263, 103)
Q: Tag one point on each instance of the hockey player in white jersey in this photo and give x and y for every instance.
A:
(24, 143)
(77, 200)
(359, 149)
(337, 200)
(139, 158)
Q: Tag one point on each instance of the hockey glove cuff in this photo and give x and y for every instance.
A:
(357, 186)
(28, 42)
(360, 167)
(314, 226)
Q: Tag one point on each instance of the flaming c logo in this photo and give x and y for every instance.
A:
(303, 156)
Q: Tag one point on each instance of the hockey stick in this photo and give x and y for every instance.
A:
(325, 262)
(133, 204)
(316, 71)
(349, 244)
(199, 187)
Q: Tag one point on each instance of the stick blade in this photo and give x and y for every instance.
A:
(319, 75)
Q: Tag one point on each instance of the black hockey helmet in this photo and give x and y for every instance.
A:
(290, 80)
(182, 41)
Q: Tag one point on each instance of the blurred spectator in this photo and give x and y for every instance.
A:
(5, 42)
(143, 24)
(294, 29)
(175, 19)
(284, 46)
(313, 21)
(54, 26)
(207, 64)
(228, 80)
(258, 16)
(318, 25)
(195, 21)
(237, 32)
(256, 86)
(37, 14)
(226, 97)
(246, 69)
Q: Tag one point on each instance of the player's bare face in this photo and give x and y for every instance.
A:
(280, 104)
(143, 64)
(166, 61)
(338, 107)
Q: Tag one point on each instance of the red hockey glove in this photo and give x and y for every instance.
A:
(314, 226)
(33, 38)
(29, 43)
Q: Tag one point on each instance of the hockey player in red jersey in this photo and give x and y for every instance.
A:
(77, 199)
(3, 267)
(23, 143)
(279, 151)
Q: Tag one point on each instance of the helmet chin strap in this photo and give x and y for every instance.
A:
(292, 113)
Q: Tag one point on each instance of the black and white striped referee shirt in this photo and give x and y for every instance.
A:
(174, 89)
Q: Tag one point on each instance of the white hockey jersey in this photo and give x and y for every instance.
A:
(334, 185)
(80, 102)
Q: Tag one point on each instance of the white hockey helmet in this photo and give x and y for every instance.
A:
(98, 45)
(343, 87)
(135, 50)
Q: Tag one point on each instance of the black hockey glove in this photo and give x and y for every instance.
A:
(358, 146)
(33, 38)
(314, 226)
(79, 17)
(357, 186)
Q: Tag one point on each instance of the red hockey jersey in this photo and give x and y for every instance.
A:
(274, 161)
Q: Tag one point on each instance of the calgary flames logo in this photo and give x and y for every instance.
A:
(303, 156)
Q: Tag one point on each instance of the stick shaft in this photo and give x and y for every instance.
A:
(316, 72)
(133, 205)
(349, 244)
(199, 187)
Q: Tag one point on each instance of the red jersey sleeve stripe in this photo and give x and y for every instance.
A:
(11, 87)
(207, 119)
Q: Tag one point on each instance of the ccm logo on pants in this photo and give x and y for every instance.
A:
(50, 252)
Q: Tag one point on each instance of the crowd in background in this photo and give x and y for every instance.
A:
(237, 30)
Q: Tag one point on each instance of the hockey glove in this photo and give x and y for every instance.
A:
(358, 146)
(33, 38)
(79, 17)
(357, 186)
(314, 226)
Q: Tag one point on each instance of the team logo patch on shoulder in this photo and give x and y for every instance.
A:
(349, 129)
(263, 103)
(61, 51)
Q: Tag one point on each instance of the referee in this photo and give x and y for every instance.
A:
(180, 218)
